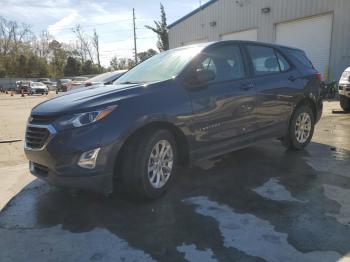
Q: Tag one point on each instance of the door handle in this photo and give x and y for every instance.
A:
(246, 87)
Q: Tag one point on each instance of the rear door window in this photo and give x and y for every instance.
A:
(267, 60)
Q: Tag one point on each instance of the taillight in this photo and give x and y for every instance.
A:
(319, 76)
(88, 84)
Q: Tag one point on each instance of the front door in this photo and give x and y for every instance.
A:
(224, 108)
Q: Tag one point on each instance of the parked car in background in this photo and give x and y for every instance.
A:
(105, 79)
(344, 90)
(23, 85)
(11, 87)
(45, 81)
(62, 85)
(53, 86)
(76, 82)
(182, 105)
(38, 88)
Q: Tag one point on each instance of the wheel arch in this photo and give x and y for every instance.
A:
(180, 138)
(309, 102)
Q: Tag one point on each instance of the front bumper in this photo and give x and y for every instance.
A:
(56, 162)
(39, 91)
(97, 182)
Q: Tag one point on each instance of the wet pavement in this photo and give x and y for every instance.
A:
(258, 204)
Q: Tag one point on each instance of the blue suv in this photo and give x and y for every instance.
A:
(183, 105)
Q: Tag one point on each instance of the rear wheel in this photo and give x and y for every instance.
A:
(301, 128)
(148, 166)
(345, 103)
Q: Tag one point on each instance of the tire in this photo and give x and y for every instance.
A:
(300, 130)
(345, 103)
(136, 160)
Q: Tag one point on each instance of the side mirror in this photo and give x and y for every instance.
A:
(204, 76)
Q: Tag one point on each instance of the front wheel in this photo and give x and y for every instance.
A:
(149, 162)
(301, 129)
(345, 103)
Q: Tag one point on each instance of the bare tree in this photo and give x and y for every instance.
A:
(12, 35)
(42, 45)
(96, 44)
(83, 44)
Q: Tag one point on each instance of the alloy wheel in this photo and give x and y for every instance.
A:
(303, 127)
(160, 164)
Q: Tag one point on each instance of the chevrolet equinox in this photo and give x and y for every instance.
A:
(183, 105)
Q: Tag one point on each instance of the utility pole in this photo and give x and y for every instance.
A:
(135, 46)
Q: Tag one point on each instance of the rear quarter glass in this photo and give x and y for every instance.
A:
(302, 58)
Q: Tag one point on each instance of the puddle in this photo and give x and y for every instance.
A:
(329, 165)
(255, 236)
(192, 254)
(42, 245)
(273, 190)
(342, 197)
(336, 162)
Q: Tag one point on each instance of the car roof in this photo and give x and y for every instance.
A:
(217, 43)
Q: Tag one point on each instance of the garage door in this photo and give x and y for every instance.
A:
(312, 35)
(199, 41)
(248, 35)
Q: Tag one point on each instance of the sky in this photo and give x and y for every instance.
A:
(111, 19)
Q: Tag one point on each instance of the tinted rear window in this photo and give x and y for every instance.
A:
(302, 58)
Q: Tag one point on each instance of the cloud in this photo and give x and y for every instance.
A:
(66, 21)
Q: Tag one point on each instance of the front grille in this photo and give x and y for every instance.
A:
(36, 137)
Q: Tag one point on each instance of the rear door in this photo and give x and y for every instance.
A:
(224, 108)
(276, 82)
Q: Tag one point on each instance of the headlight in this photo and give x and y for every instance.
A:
(86, 118)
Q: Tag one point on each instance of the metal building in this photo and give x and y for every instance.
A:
(319, 27)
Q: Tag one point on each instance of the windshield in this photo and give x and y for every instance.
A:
(161, 67)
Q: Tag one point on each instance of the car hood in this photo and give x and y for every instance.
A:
(83, 99)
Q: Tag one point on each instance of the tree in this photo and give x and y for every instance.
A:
(147, 54)
(22, 67)
(161, 29)
(95, 43)
(58, 58)
(73, 67)
(87, 68)
(2, 72)
(83, 44)
(114, 63)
